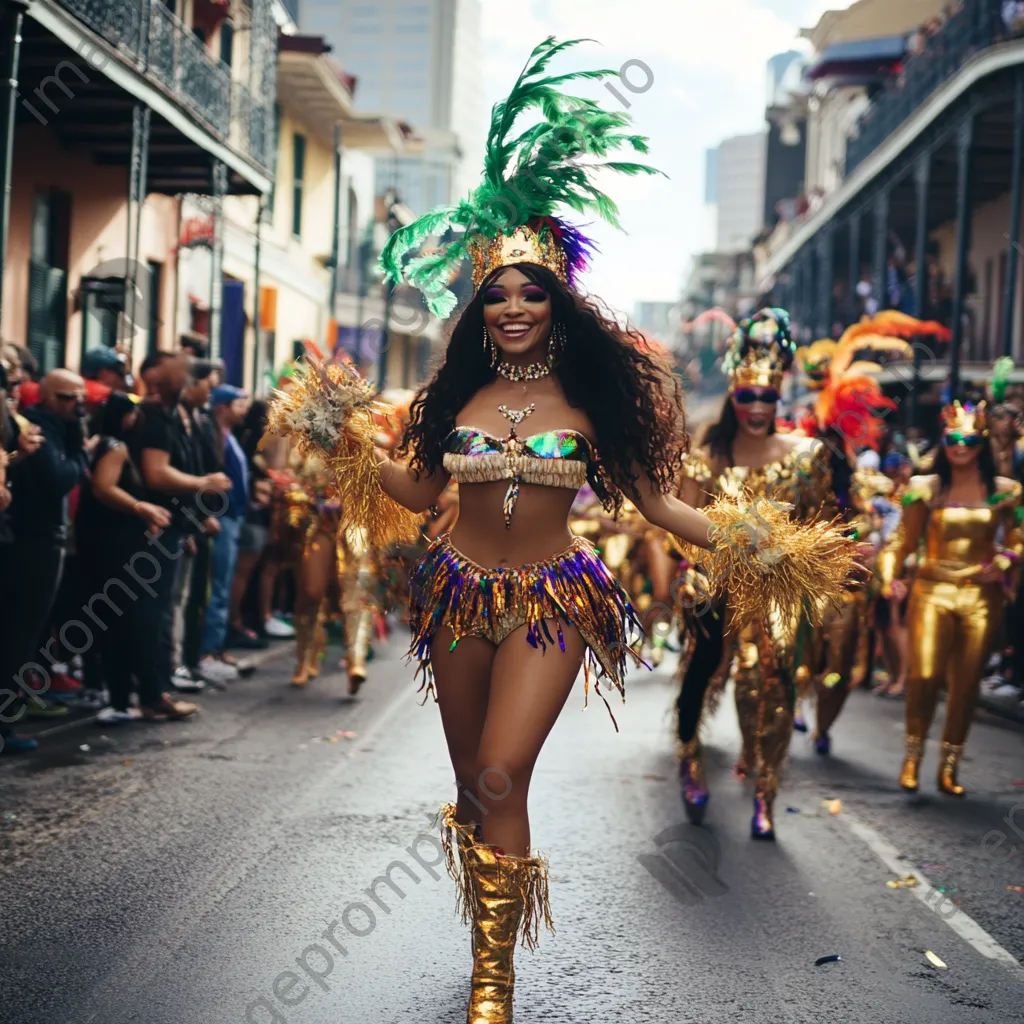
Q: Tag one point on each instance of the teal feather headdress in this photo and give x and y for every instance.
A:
(510, 217)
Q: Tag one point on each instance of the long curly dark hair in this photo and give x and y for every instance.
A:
(632, 399)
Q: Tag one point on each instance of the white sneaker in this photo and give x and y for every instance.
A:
(218, 671)
(110, 716)
(277, 629)
(186, 682)
(992, 683)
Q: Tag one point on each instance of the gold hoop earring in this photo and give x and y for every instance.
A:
(490, 348)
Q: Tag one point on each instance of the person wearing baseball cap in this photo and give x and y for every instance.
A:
(107, 366)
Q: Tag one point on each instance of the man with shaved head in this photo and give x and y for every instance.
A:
(40, 485)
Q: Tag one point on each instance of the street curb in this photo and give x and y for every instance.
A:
(257, 659)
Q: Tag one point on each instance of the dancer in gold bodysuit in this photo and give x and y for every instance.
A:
(969, 521)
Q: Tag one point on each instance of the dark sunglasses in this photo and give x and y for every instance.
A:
(64, 397)
(954, 439)
(747, 396)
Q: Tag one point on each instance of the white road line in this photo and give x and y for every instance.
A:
(962, 923)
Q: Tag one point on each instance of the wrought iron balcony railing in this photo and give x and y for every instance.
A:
(973, 25)
(150, 36)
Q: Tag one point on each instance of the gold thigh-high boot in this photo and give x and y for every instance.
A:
(358, 628)
(774, 726)
(510, 900)
(980, 612)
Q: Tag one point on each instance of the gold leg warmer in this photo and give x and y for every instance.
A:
(511, 899)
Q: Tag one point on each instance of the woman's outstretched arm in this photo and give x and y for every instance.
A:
(671, 513)
(413, 490)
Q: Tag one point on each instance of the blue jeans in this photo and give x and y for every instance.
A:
(222, 575)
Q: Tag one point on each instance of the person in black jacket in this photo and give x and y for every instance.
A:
(38, 519)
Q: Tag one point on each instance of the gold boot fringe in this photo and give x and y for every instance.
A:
(456, 835)
(531, 878)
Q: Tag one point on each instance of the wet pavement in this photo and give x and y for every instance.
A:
(234, 868)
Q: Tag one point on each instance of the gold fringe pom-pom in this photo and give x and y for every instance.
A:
(329, 411)
(765, 563)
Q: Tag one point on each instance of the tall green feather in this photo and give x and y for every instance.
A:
(548, 165)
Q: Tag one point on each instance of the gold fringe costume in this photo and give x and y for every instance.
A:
(760, 653)
(952, 616)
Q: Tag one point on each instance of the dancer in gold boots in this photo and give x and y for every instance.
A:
(969, 521)
(540, 391)
(318, 569)
(742, 450)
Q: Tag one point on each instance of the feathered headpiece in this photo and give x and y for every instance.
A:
(761, 351)
(965, 420)
(850, 401)
(510, 218)
(1001, 370)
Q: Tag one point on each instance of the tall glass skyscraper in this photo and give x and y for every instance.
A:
(419, 61)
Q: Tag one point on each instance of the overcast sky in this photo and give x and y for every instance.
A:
(707, 58)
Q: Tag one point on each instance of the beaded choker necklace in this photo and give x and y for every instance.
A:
(532, 371)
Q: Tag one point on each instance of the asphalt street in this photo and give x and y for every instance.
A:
(218, 870)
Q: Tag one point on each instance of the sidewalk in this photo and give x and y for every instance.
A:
(38, 728)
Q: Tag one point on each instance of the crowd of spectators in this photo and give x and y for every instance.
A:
(133, 519)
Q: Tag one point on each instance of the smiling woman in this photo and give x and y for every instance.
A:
(540, 392)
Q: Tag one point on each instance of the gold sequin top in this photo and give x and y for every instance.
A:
(554, 458)
(802, 478)
(959, 540)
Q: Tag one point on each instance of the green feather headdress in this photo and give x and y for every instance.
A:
(1001, 377)
(510, 218)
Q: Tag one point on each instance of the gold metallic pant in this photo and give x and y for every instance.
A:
(765, 700)
(952, 627)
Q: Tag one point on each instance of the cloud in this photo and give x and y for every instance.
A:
(708, 62)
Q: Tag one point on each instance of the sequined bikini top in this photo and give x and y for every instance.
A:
(554, 458)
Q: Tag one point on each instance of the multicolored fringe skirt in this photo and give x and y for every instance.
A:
(574, 587)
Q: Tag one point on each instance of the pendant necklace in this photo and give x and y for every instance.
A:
(513, 446)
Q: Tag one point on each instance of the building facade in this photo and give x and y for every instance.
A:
(740, 191)
(418, 62)
(122, 108)
(925, 210)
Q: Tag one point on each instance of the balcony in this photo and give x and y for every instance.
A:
(975, 26)
(150, 38)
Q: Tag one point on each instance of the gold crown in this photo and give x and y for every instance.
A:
(965, 419)
(523, 245)
(761, 351)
